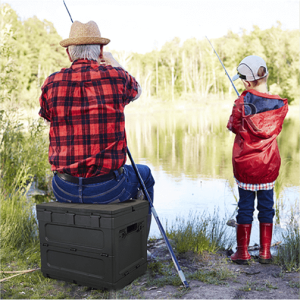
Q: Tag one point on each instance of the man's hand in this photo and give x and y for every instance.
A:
(109, 60)
(47, 122)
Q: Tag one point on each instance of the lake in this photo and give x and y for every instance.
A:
(189, 152)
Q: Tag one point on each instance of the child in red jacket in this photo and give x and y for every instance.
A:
(257, 118)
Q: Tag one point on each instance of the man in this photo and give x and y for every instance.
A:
(84, 105)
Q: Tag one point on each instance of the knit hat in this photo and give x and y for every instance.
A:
(248, 68)
(84, 34)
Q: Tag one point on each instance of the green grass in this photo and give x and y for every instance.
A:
(200, 233)
(18, 225)
(35, 286)
(257, 286)
(289, 252)
(22, 147)
(160, 274)
(19, 149)
(216, 275)
(294, 284)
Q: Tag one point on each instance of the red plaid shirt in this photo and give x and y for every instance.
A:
(85, 105)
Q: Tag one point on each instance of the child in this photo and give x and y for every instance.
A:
(256, 119)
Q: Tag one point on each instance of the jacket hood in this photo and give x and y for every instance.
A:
(269, 113)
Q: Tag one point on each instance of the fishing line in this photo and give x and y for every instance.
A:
(68, 11)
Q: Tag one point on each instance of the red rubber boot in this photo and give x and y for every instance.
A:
(242, 256)
(266, 230)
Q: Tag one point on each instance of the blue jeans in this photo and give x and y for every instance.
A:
(119, 189)
(265, 205)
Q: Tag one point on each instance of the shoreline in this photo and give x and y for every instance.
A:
(153, 105)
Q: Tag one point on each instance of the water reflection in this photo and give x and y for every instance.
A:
(189, 152)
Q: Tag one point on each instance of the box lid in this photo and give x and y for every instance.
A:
(103, 209)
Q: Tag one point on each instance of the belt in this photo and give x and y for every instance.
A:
(89, 180)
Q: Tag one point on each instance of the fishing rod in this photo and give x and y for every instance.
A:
(162, 231)
(153, 211)
(224, 68)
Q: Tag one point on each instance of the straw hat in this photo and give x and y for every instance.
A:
(84, 34)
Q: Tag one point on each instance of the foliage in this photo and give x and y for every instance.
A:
(30, 51)
(18, 225)
(20, 147)
(192, 67)
(199, 233)
(7, 65)
(289, 253)
(19, 150)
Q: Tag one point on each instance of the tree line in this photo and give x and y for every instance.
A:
(191, 68)
(30, 52)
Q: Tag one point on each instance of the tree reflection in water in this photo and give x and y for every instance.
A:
(189, 152)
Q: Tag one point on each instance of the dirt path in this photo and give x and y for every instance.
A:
(209, 277)
(255, 281)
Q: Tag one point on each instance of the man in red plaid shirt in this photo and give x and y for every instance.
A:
(84, 105)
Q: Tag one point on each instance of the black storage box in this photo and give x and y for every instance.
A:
(100, 246)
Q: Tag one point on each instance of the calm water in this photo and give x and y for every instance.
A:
(189, 153)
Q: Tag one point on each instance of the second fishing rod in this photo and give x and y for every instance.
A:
(224, 67)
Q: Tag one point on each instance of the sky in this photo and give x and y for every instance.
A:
(144, 25)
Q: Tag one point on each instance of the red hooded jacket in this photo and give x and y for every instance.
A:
(257, 120)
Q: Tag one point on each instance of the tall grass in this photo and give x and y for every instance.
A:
(288, 255)
(200, 233)
(18, 226)
(23, 159)
(22, 145)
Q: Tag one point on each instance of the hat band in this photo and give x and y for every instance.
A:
(84, 41)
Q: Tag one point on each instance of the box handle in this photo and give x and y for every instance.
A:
(136, 227)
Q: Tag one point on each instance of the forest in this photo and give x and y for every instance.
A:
(179, 71)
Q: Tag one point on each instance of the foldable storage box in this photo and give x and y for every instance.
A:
(100, 246)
